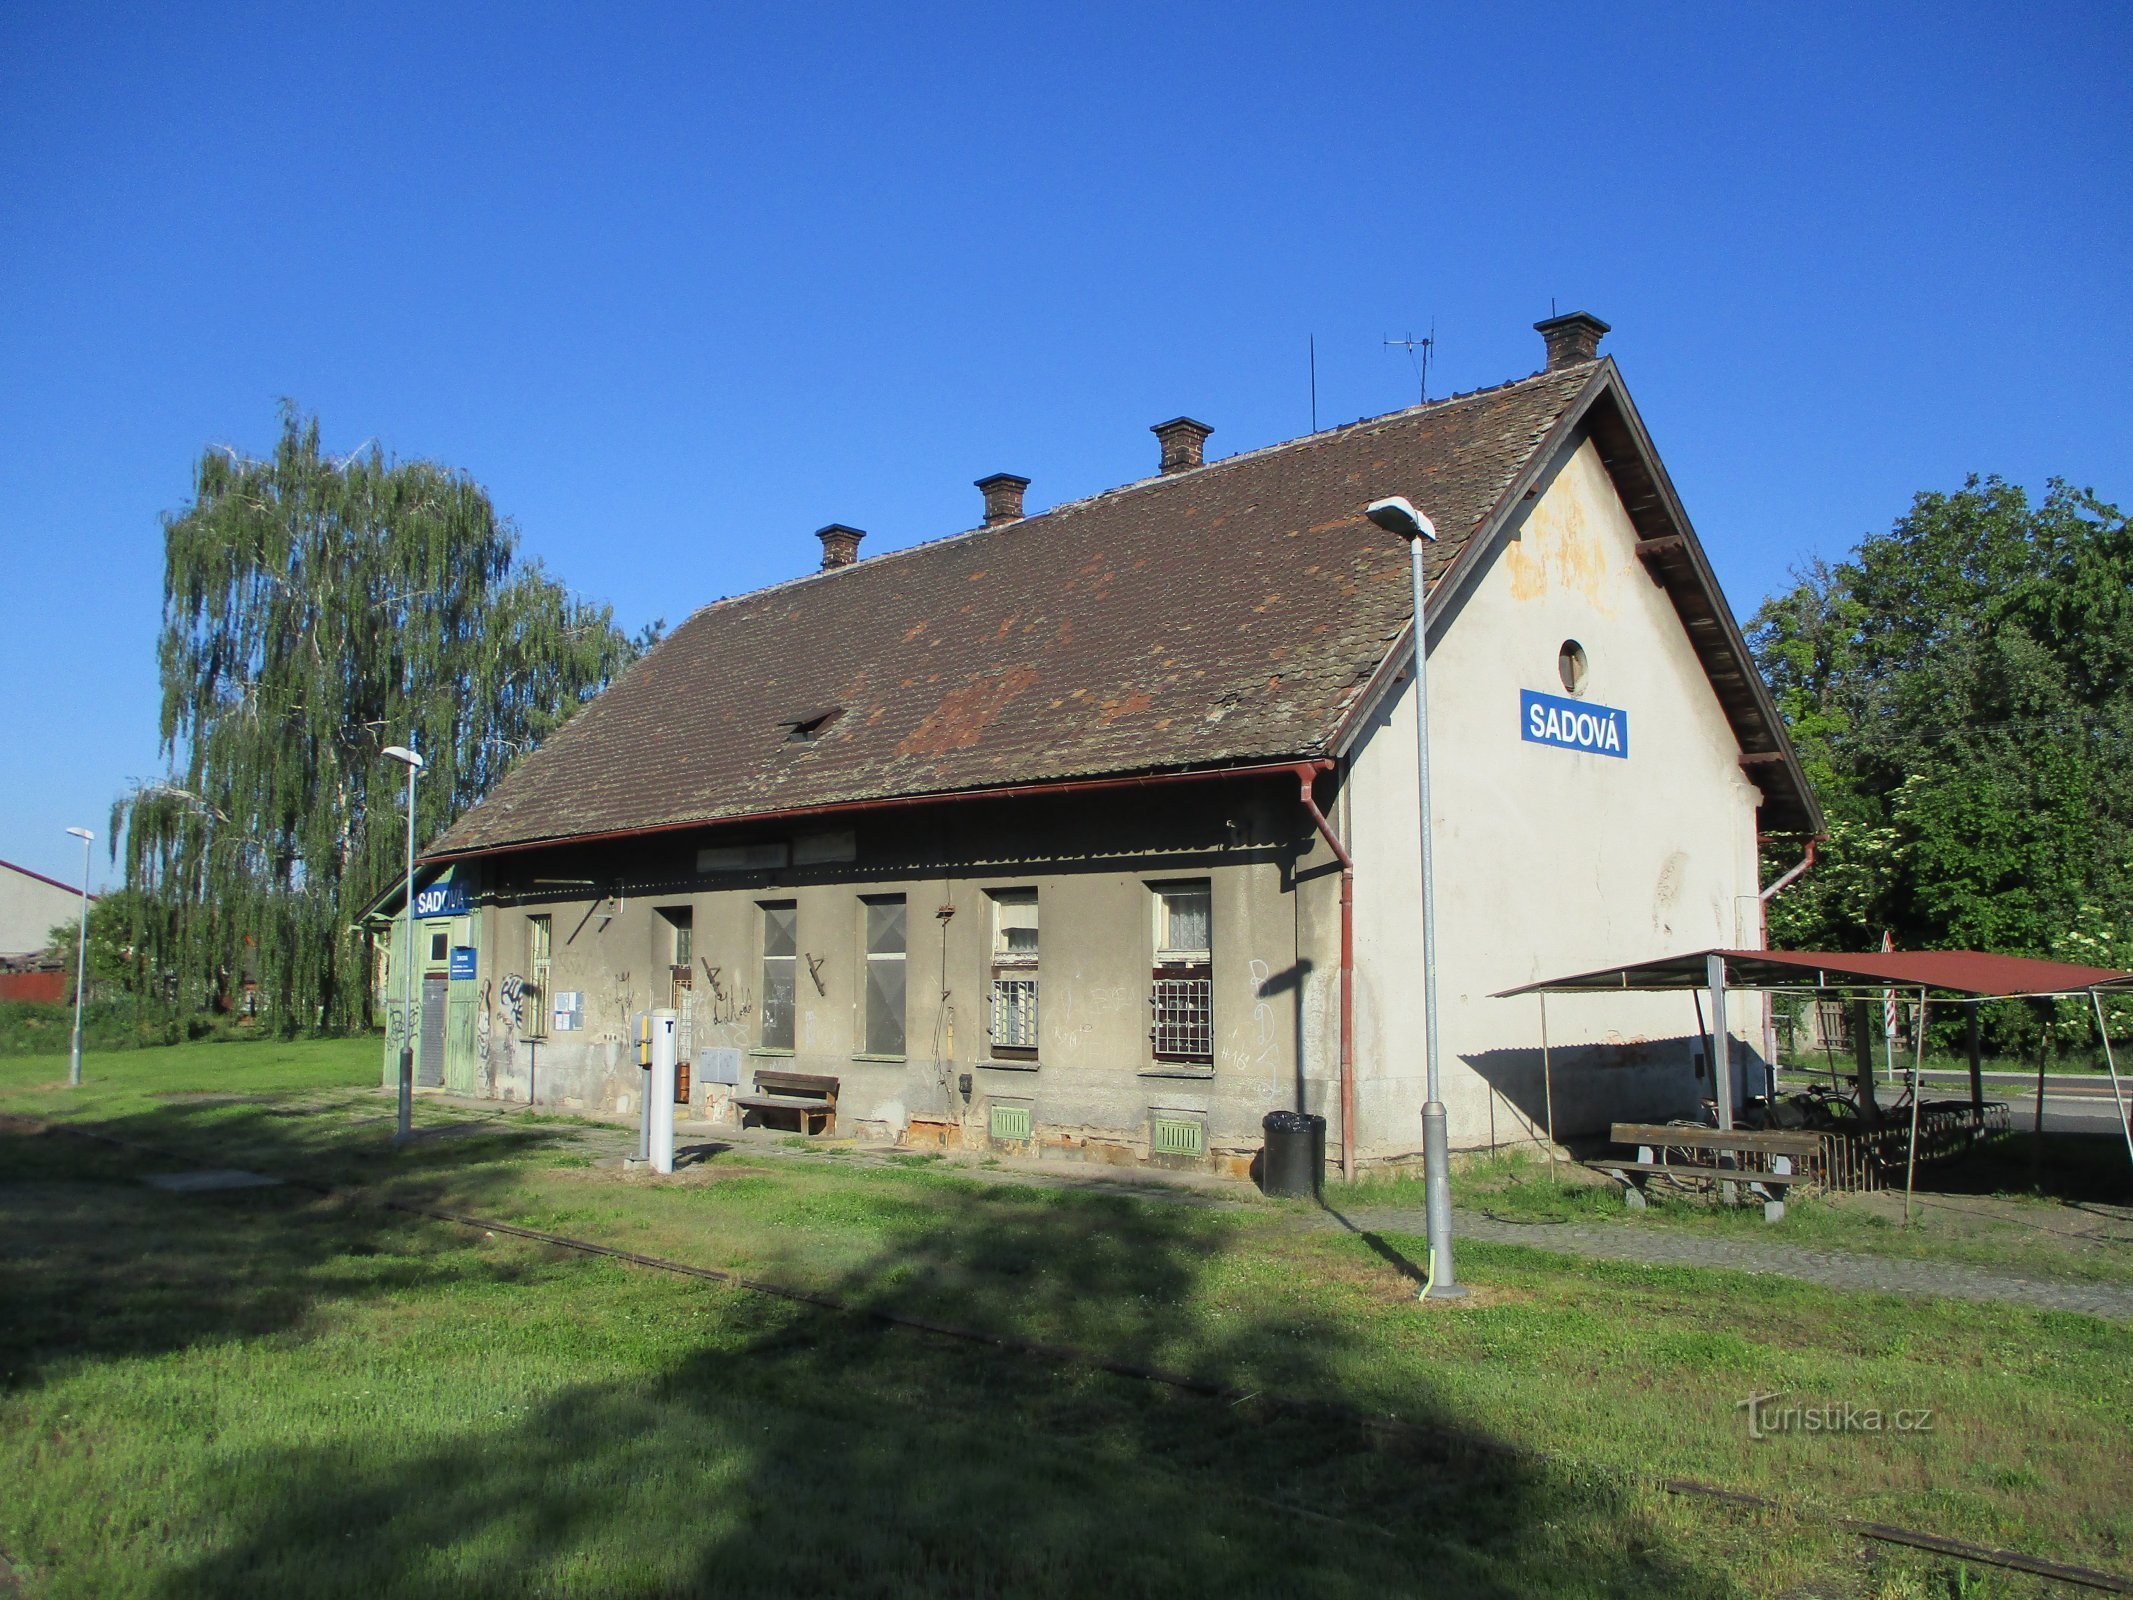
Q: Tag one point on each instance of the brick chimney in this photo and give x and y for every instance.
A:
(840, 545)
(1003, 498)
(1184, 443)
(1573, 337)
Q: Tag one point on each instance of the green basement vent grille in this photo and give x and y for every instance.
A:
(1178, 1136)
(1010, 1122)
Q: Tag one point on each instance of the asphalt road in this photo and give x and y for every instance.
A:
(2068, 1108)
(2079, 1106)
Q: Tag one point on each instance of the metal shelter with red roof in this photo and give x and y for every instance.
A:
(1977, 975)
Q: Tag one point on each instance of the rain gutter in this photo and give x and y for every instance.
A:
(1305, 774)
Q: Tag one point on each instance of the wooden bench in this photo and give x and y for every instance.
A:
(802, 1095)
(1767, 1162)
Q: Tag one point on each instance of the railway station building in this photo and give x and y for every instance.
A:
(1091, 831)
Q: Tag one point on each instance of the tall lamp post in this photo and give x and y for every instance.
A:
(81, 954)
(407, 757)
(1397, 515)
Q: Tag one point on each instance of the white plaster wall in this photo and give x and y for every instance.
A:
(1549, 861)
(30, 909)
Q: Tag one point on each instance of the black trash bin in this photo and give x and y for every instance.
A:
(1294, 1162)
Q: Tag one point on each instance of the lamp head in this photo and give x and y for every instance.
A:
(1397, 514)
(403, 755)
(82, 834)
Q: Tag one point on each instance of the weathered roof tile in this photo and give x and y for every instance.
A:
(1220, 615)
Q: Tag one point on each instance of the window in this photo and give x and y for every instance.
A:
(1181, 1000)
(883, 1033)
(681, 934)
(807, 729)
(781, 922)
(537, 933)
(1014, 974)
(1571, 665)
(440, 946)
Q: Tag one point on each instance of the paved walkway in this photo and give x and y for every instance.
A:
(1835, 1269)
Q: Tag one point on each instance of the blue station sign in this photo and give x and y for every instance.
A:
(1573, 724)
(446, 899)
(462, 961)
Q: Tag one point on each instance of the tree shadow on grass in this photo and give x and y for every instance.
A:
(2072, 1168)
(97, 1264)
(784, 1449)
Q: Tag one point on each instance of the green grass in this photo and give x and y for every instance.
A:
(272, 1391)
(2055, 1207)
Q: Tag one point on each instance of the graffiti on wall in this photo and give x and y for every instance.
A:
(513, 991)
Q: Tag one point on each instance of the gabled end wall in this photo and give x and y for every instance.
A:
(1548, 859)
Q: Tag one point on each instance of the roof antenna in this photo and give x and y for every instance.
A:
(1420, 362)
(1314, 383)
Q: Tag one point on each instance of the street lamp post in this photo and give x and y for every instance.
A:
(1397, 515)
(407, 757)
(81, 954)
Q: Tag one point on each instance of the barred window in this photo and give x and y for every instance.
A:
(1014, 974)
(1014, 1014)
(1181, 995)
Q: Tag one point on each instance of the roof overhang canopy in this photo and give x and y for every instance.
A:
(1968, 972)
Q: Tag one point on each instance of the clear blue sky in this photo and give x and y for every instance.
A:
(680, 289)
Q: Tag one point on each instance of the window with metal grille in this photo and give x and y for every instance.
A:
(884, 1030)
(1008, 1122)
(1014, 1014)
(1181, 996)
(781, 923)
(1014, 974)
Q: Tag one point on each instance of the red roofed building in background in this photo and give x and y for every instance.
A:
(31, 906)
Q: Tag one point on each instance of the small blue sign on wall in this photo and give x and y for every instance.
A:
(1573, 724)
(462, 961)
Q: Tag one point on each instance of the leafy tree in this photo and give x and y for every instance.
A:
(314, 612)
(1961, 692)
(113, 958)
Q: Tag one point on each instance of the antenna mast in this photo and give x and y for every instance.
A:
(1418, 353)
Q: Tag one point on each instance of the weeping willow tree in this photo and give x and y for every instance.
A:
(314, 612)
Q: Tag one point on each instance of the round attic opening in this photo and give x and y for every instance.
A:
(1572, 666)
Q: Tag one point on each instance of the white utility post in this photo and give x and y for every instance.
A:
(1714, 975)
(1397, 515)
(406, 756)
(81, 955)
(660, 1108)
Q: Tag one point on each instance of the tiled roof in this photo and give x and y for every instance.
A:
(1223, 615)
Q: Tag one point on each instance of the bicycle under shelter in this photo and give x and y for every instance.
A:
(1854, 1151)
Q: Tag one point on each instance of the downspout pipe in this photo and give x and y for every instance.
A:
(1799, 871)
(1306, 774)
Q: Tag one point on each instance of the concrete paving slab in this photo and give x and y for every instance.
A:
(209, 1181)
